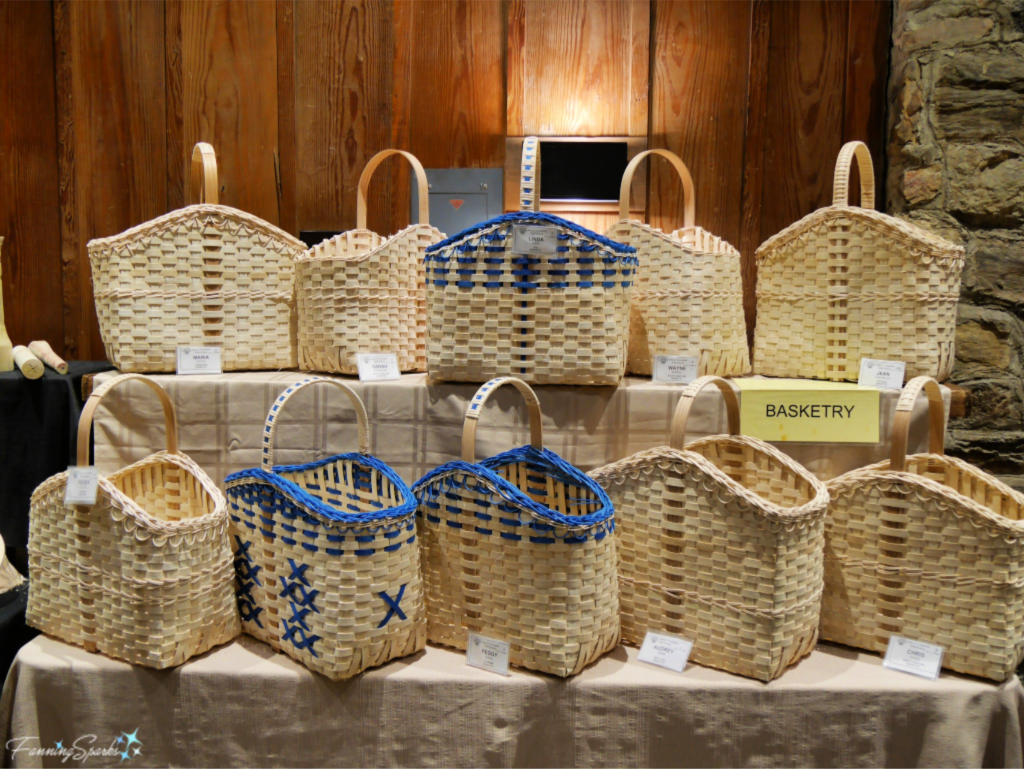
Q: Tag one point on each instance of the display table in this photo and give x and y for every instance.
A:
(244, 705)
(415, 427)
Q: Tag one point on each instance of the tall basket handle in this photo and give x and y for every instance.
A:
(689, 203)
(841, 182)
(477, 405)
(529, 175)
(364, 185)
(904, 412)
(270, 426)
(204, 175)
(85, 421)
(682, 413)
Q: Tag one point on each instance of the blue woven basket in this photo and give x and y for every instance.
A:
(520, 548)
(326, 555)
(529, 295)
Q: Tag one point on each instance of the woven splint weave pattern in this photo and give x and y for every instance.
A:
(326, 555)
(929, 548)
(848, 282)
(519, 548)
(143, 575)
(720, 541)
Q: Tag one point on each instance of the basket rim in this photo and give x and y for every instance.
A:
(309, 256)
(673, 238)
(855, 480)
(189, 212)
(187, 528)
(618, 472)
(318, 508)
(511, 494)
(530, 216)
(899, 228)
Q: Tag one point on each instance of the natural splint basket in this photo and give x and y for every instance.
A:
(720, 541)
(203, 276)
(326, 554)
(848, 282)
(688, 298)
(143, 575)
(519, 548)
(929, 548)
(362, 293)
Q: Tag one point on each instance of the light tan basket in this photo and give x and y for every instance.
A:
(204, 276)
(9, 576)
(929, 548)
(556, 315)
(360, 292)
(720, 541)
(688, 298)
(849, 282)
(145, 574)
(326, 554)
(519, 548)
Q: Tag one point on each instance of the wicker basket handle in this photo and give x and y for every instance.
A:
(904, 411)
(364, 185)
(529, 175)
(85, 421)
(841, 182)
(204, 175)
(477, 405)
(689, 203)
(270, 426)
(682, 413)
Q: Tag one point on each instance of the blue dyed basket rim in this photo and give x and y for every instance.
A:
(535, 217)
(304, 499)
(559, 469)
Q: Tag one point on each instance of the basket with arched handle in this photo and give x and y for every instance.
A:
(529, 295)
(720, 541)
(688, 298)
(360, 292)
(848, 282)
(927, 547)
(143, 575)
(326, 553)
(203, 276)
(520, 548)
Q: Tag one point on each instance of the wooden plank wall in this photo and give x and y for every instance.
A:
(103, 101)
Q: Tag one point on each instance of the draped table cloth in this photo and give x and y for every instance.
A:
(245, 705)
(416, 426)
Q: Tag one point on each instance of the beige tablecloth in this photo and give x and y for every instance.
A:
(244, 705)
(415, 427)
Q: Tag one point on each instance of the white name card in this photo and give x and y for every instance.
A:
(377, 366)
(534, 240)
(487, 654)
(665, 651)
(678, 369)
(915, 657)
(83, 483)
(199, 360)
(883, 374)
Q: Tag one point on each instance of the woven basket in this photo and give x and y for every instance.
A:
(205, 275)
(359, 292)
(849, 282)
(326, 554)
(688, 298)
(929, 548)
(720, 541)
(144, 575)
(519, 548)
(560, 317)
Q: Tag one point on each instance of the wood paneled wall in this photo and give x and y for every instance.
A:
(103, 101)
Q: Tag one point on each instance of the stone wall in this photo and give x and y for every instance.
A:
(956, 167)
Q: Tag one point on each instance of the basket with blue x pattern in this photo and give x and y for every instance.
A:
(326, 555)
